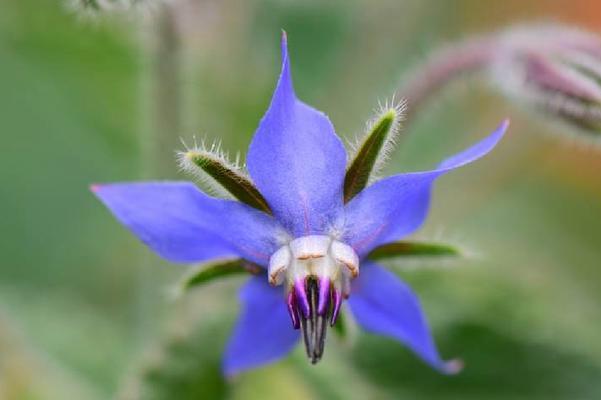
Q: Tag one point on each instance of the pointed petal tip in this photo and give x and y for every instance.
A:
(229, 373)
(289, 134)
(284, 46)
(183, 225)
(476, 151)
(95, 187)
(383, 304)
(453, 367)
(504, 125)
(499, 132)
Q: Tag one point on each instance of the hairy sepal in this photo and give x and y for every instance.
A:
(208, 272)
(201, 163)
(372, 151)
(412, 249)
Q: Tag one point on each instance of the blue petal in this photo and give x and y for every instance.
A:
(263, 333)
(297, 161)
(396, 206)
(182, 224)
(383, 304)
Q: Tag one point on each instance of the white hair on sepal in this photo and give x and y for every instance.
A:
(214, 152)
(454, 239)
(421, 263)
(398, 107)
(468, 255)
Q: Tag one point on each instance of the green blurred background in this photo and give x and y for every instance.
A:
(86, 312)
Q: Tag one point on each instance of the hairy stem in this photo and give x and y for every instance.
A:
(442, 68)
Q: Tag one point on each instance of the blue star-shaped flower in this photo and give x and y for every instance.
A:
(313, 242)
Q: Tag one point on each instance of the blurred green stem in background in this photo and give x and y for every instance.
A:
(160, 125)
(163, 104)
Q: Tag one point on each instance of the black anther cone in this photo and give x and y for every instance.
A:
(314, 325)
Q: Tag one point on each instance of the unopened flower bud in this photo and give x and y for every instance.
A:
(552, 69)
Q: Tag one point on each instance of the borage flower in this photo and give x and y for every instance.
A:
(307, 225)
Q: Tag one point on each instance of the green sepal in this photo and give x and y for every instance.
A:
(232, 180)
(210, 271)
(368, 153)
(412, 249)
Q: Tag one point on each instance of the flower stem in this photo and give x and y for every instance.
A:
(160, 138)
(159, 134)
(443, 67)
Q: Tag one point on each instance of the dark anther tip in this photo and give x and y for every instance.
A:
(312, 305)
